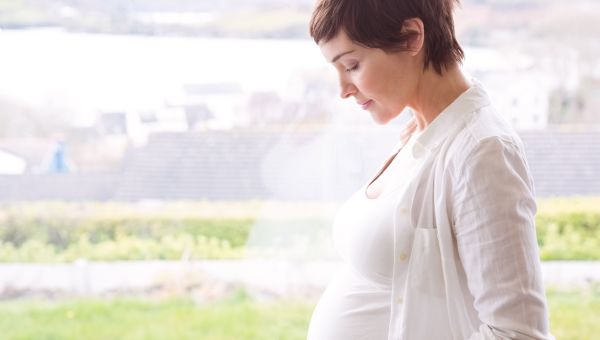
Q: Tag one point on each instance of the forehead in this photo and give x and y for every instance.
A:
(338, 44)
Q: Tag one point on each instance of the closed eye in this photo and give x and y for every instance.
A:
(353, 68)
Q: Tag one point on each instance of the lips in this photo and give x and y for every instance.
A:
(366, 104)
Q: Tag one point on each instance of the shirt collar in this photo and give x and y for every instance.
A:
(473, 99)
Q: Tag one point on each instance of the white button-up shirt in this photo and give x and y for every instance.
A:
(473, 270)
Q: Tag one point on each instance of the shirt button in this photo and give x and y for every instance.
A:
(399, 300)
(403, 210)
(403, 256)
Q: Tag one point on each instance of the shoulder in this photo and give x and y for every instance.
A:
(485, 133)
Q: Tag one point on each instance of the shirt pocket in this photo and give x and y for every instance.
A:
(425, 272)
(425, 313)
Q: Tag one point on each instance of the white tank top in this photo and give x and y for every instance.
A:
(356, 303)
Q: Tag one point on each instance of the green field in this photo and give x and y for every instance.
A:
(567, 229)
(574, 315)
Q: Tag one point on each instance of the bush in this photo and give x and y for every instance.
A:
(567, 229)
(54, 231)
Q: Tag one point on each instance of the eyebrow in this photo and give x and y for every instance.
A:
(340, 55)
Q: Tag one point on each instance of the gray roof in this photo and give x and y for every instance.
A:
(217, 165)
(247, 164)
(564, 163)
(224, 165)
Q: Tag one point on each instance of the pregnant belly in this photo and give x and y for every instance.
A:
(351, 307)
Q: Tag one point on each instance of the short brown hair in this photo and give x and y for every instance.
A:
(377, 24)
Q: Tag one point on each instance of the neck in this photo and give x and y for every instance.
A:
(435, 92)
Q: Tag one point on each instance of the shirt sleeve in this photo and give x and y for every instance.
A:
(494, 225)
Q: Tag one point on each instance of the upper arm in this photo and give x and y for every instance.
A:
(494, 225)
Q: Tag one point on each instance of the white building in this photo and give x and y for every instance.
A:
(11, 164)
(518, 88)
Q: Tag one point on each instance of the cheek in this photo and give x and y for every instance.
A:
(369, 83)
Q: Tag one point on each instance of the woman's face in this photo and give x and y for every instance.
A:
(381, 83)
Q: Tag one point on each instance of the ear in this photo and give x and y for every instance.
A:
(414, 27)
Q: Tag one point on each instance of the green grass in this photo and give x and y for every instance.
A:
(574, 315)
(142, 319)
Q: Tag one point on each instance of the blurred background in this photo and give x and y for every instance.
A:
(169, 169)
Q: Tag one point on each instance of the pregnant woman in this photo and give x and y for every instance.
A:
(440, 243)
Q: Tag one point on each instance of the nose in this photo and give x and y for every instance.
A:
(347, 89)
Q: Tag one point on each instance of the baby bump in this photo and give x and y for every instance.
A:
(351, 308)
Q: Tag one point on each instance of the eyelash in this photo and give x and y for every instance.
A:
(353, 68)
